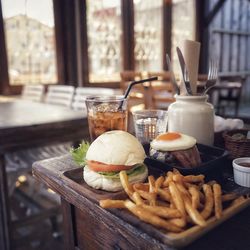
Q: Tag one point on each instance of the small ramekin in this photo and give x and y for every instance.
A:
(241, 173)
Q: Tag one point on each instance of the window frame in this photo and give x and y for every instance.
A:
(72, 43)
(5, 87)
(128, 41)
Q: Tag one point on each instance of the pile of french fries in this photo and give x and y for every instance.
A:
(173, 202)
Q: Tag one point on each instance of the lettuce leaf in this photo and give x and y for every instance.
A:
(79, 154)
(137, 169)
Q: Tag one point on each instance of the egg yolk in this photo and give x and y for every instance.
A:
(168, 137)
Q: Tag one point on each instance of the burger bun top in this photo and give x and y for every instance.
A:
(116, 147)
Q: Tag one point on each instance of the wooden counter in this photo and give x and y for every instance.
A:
(88, 226)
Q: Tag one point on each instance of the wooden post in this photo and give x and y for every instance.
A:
(4, 208)
(65, 30)
(167, 31)
(128, 44)
(202, 34)
(82, 42)
(68, 228)
(4, 76)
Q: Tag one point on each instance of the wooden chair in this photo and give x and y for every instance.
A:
(60, 95)
(227, 94)
(137, 93)
(82, 92)
(161, 90)
(33, 92)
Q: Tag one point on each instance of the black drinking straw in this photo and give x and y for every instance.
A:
(134, 83)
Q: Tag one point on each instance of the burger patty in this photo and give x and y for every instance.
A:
(188, 158)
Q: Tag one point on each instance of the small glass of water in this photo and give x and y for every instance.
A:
(149, 123)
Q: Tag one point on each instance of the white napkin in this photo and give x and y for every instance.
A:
(222, 124)
(191, 54)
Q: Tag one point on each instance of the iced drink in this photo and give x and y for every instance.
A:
(105, 114)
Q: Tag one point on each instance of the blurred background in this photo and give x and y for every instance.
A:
(88, 43)
(106, 44)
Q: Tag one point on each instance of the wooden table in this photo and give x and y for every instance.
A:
(26, 124)
(88, 226)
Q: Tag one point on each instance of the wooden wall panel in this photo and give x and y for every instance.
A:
(226, 37)
(243, 39)
(230, 40)
(215, 38)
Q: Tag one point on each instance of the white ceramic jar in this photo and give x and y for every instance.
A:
(194, 116)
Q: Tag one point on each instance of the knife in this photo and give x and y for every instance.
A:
(184, 71)
(172, 77)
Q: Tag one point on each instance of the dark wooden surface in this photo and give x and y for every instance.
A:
(25, 124)
(96, 228)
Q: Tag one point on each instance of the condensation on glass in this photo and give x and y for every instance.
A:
(148, 35)
(104, 39)
(30, 41)
(183, 25)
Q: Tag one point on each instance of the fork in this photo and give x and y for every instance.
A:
(212, 76)
(187, 82)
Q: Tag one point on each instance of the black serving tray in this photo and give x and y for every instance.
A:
(213, 162)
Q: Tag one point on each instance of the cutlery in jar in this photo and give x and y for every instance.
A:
(184, 71)
(212, 76)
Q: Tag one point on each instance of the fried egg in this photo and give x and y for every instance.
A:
(172, 141)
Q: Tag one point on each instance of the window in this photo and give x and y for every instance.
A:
(27, 60)
(148, 35)
(104, 39)
(183, 25)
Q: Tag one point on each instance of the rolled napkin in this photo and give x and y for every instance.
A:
(222, 124)
(191, 54)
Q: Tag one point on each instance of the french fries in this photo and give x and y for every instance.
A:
(125, 184)
(194, 178)
(174, 202)
(179, 222)
(164, 194)
(217, 200)
(177, 198)
(151, 181)
(209, 201)
(158, 183)
(193, 213)
(164, 212)
(228, 197)
(137, 198)
(195, 197)
(151, 218)
(112, 203)
(168, 179)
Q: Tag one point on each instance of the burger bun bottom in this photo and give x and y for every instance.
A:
(98, 181)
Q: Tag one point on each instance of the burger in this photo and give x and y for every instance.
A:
(175, 149)
(111, 153)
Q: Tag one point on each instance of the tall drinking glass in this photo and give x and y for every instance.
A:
(149, 123)
(106, 113)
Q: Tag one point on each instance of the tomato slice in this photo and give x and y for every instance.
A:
(102, 167)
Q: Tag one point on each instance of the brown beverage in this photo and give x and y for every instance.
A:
(105, 114)
(101, 122)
